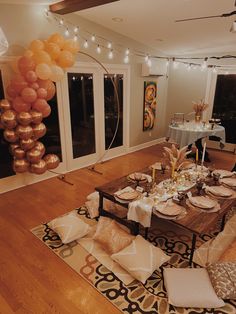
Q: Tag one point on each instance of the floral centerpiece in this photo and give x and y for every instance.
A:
(198, 109)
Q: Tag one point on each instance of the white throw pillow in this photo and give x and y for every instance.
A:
(69, 227)
(190, 287)
(140, 258)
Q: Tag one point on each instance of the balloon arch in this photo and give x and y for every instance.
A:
(22, 112)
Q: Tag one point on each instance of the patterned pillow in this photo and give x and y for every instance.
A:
(223, 279)
(140, 258)
(111, 236)
(69, 227)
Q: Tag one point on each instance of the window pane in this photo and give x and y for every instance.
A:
(225, 105)
(111, 109)
(82, 113)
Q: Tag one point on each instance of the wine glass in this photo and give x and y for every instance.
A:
(199, 185)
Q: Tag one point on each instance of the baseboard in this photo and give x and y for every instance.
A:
(146, 144)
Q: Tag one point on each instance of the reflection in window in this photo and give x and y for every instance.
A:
(82, 113)
(111, 109)
(225, 105)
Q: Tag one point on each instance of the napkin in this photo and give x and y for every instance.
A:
(202, 201)
(229, 181)
(219, 191)
(126, 194)
(223, 173)
(141, 211)
(168, 208)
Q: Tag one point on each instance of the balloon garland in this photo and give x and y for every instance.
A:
(22, 112)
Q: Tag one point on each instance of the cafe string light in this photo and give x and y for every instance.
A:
(110, 48)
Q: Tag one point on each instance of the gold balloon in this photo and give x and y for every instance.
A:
(19, 153)
(39, 167)
(12, 147)
(5, 105)
(39, 130)
(1, 125)
(37, 116)
(34, 155)
(24, 118)
(8, 119)
(52, 161)
(39, 146)
(24, 132)
(20, 165)
(27, 144)
(10, 136)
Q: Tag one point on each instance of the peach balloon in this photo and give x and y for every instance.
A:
(18, 83)
(11, 92)
(28, 94)
(57, 73)
(14, 65)
(52, 49)
(57, 39)
(5, 105)
(10, 136)
(24, 118)
(52, 161)
(39, 130)
(43, 71)
(42, 56)
(21, 165)
(26, 64)
(28, 53)
(37, 116)
(71, 45)
(34, 85)
(19, 153)
(65, 59)
(39, 104)
(49, 86)
(46, 111)
(42, 93)
(31, 76)
(36, 45)
(8, 119)
(27, 144)
(20, 105)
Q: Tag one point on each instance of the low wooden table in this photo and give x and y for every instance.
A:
(194, 221)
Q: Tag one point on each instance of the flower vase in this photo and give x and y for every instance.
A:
(198, 117)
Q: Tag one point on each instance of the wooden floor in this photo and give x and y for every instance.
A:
(32, 278)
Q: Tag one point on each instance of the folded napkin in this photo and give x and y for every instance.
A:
(143, 176)
(126, 194)
(229, 181)
(219, 191)
(202, 201)
(141, 211)
(223, 173)
(169, 208)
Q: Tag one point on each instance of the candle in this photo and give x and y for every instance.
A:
(173, 172)
(153, 174)
(196, 156)
(203, 153)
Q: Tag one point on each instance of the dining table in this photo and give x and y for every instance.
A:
(194, 221)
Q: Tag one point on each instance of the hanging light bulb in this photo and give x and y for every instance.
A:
(204, 64)
(226, 72)
(126, 59)
(75, 38)
(214, 69)
(67, 33)
(175, 64)
(98, 49)
(110, 54)
(86, 44)
(189, 66)
(149, 62)
(61, 22)
(93, 38)
(76, 29)
(168, 62)
(109, 45)
(127, 51)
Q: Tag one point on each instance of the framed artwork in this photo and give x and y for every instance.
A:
(149, 105)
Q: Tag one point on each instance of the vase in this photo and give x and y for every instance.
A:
(198, 117)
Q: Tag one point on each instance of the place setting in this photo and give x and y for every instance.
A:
(202, 203)
(169, 210)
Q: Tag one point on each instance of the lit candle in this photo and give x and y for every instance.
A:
(203, 153)
(153, 174)
(173, 172)
(196, 156)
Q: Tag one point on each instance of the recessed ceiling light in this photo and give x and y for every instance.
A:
(117, 19)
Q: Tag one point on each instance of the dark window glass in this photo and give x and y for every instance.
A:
(225, 105)
(82, 113)
(112, 109)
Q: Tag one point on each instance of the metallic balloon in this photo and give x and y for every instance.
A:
(39, 146)
(34, 155)
(27, 144)
(24, 118)
(5, 105)
(10, 136)
(8, 119)
(19, 153)
(39, 130)
(37, 116)
(12, 147)
(52, 161)
(20, 165)
(24, 132)
(1, 125)
(39, 167)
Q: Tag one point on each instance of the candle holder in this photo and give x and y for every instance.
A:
(163, 168)
(199, 185)
(216, 178)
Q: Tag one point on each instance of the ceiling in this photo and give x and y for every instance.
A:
(152, 22)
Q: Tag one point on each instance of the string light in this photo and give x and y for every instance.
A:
(61, 22)
(127, 51)
(67, 33)
(149, 62)
(93, 38)
(76, 29)
(126, 59)
(110, 54)
(214, 69)
(168, 62)
(175, 64)
(75, 38)
(86, 44)
(204, 64)
(98, 49)
(109, 45)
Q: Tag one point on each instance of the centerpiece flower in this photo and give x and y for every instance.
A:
(198, 109)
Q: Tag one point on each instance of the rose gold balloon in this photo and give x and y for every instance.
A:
(8, 119)
(5, 105)
(39, 130)
(31, 76)
(18, 83)
(20, 165)
(24, 118)
(39, 167)
(34, 155)
(42, 93)
(11, 92)
(49, 86)
(34, 85)
(24, 132)
(10, 136)
(19, 153)
(20, 105)
(39, 146)
(37, 116)
(52, 161)
(28, 94)
(27, 144)
(12, 147)
(1, 125)
(26, 64)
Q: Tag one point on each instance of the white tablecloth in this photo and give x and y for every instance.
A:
(189, 133)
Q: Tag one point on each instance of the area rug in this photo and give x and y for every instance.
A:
(135, 298)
